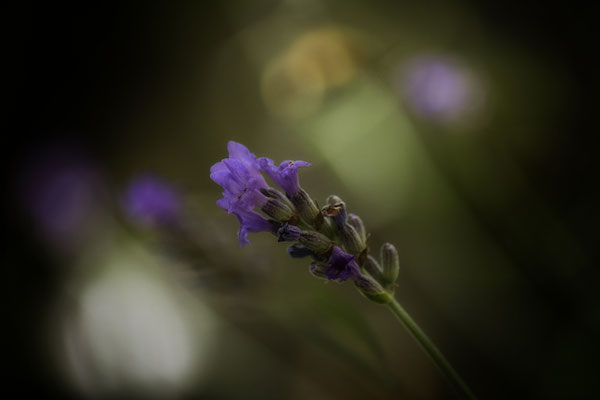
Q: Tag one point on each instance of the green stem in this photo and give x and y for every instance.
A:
(432, 351)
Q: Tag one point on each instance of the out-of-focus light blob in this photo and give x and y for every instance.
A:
(61, 187)
(438, 87)
(294, 83)
(150, 201)
(132, 333)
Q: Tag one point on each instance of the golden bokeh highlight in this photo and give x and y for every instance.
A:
(294, 83)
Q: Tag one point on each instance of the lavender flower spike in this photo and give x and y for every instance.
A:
(341, 265)
(286, 175)
(240, 176)
(296, 218)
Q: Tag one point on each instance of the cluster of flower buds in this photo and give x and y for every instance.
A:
(335, 240)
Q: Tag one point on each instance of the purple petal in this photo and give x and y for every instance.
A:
(239, 151)
(240, 178)
(342, 265)
(285, 175)
(296, 164)
(251, 222)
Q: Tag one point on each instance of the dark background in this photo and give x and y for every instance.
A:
(85, 74)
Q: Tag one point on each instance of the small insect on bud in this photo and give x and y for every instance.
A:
(373, 268)
(357, 224)
(390, 263)
(371, 289)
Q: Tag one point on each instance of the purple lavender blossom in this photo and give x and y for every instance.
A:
(252, 222)
(240, 176)
(286, 175)
(342, 265)
(150, 201)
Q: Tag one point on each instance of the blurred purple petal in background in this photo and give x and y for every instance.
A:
(60, 189)
(150, 201)
(438, 87)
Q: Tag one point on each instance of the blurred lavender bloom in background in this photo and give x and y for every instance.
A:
(61, 189)
(438, 87)
(150, 201)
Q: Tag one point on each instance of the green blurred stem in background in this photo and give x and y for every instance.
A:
(432, 351)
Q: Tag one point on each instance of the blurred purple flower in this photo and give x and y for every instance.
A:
(286, 175)
(436, 87)
(239, 175)
(60, 188)
(150, 201)
(341, 265)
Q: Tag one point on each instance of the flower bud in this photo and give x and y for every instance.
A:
(390, 263)
(305, 207)
(357, 224)
(288, 233)
(276, 194)
(278, 210)
(352, 240)
(371, 289)
(333, 199)
(319, 270)
(315, 242)
(373, 268)
(325, 226)
(299, 251)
